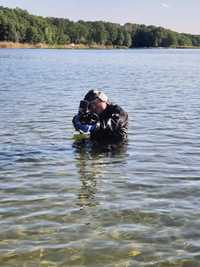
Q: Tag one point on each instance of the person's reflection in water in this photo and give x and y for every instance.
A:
(90, 160)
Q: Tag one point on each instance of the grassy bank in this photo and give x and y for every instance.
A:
(73, 46)
(67, 46)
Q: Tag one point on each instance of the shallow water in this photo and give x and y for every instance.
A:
(68, 203)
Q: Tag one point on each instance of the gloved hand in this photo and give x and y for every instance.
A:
(83, 128)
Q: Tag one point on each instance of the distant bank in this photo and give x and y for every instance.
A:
(19, 29)
(72, 46)
(56, 46)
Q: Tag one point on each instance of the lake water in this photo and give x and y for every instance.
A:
(67, 203)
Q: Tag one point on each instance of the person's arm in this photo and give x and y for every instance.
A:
(115, 126)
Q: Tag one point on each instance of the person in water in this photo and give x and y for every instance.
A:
(102, 120)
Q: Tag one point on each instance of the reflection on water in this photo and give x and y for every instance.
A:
(90, 164)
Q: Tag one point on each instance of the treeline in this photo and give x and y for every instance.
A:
(17, 25)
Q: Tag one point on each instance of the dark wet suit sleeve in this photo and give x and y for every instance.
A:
(114, 127)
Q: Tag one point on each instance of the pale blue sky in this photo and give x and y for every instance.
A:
(179, 15)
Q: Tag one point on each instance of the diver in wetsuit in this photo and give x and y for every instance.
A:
(104, 121)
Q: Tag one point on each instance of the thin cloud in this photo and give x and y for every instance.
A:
(164, 5)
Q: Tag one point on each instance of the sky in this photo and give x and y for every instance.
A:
(178, 15)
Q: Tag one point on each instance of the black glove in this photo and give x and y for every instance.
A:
(82, 128)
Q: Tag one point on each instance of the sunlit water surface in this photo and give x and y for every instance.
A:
(67, 203)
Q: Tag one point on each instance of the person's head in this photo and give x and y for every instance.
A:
(98, 101)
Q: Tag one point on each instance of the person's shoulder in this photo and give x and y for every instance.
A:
(115, 108)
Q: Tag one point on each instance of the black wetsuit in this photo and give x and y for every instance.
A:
(112, 126)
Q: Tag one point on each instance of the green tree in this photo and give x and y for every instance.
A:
(120, 38)
(112, 30)
(143, 37)
(184, 40)
(169, 40)
(33, 36)
(158, 35)
(100, 35)
(127, 39)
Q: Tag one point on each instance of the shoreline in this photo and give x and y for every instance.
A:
(5, 45)
(66, 46)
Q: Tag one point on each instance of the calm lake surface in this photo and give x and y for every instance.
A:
(67, 203)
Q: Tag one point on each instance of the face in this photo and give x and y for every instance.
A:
(97, 106)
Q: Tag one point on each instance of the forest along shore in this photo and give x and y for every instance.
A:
(29, 31)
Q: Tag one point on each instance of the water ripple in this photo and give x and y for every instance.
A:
(68, 203)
